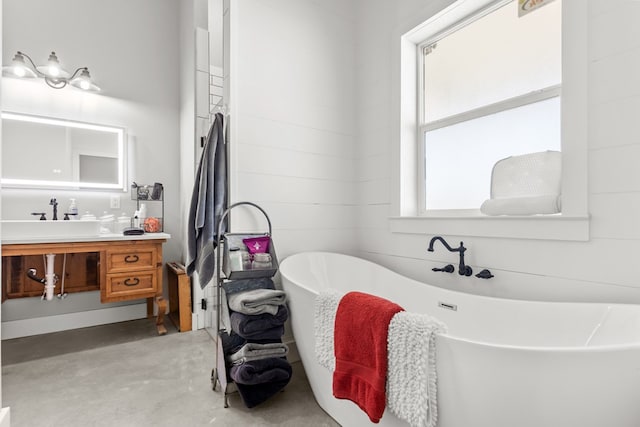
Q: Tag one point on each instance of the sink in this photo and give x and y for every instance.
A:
(35, 229)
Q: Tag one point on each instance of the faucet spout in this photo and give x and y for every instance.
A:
(53, 202)
(444, 242)
(463, 270)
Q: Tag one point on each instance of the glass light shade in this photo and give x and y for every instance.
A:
(53, 69)
(18, 68)
(84, 82)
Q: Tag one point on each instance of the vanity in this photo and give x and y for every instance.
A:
(121, 267)
(77, 156)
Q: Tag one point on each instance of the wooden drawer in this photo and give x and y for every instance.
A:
(134, 258)
(132, 285)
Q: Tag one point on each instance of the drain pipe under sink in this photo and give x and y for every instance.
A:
(50, 276)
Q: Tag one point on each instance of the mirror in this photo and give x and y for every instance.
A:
(42, 152)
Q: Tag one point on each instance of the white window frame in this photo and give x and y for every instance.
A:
(573, 222)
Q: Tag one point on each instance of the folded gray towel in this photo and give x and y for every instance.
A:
(242, 285)
(257, 301)
(260, 326)
(261, 371)
(254, 351)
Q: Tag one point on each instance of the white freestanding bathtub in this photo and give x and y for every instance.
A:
(503, 363)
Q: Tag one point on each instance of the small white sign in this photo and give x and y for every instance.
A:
(526, 6)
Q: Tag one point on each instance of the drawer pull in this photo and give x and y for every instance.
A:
(131, 282)
(131, 258)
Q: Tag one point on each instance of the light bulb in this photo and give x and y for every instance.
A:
(19, 71)
(53, 65)
(54, 70)
(84, 84)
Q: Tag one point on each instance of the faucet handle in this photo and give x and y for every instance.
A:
(449, 268)
(484, 274)
(42, 215)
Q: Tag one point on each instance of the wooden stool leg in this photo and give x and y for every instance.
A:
(162, 308)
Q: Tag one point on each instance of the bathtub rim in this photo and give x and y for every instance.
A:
(508, 347)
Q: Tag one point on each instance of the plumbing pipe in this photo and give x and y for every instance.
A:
(50, 277)
(63, 294)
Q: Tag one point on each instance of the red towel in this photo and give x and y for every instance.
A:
(360, 338)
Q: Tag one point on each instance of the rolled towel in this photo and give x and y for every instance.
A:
(411, 376)
(261, 326)
(243, 285)
(253, 351)
(261, 371)
(257, 301)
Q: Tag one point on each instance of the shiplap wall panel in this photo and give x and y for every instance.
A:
(624, 207)
(508, 283)
(257, 158)
(598, 270)
(614, 170)
(286, 135)
(285, 189)
(307, 216)
(614, 123)
(614, 76)
(607, 261)
(374, 166)
(374, 191)
(618, 30)
(294, 141)
(376, 135)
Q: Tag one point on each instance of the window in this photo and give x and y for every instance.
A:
(407, 216)
(489, 87)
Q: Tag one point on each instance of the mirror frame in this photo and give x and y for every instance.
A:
(33, 183)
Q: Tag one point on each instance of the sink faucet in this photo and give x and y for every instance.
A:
(53, 202)
(463, 270)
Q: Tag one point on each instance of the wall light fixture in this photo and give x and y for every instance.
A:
(53, 74)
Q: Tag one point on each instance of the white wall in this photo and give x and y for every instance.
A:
(131, 49)
(310, 99)
(601, 269)
(293, 121)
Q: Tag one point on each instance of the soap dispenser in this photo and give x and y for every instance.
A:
(73, 209)
(142, 214)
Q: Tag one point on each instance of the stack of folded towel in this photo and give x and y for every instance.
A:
(254, 347)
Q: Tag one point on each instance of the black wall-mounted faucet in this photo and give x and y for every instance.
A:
(463, 270)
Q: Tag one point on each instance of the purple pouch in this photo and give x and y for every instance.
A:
(257, 245)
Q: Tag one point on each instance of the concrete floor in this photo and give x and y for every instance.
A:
(125, 375)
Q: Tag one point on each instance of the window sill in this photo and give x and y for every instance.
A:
(540, 227)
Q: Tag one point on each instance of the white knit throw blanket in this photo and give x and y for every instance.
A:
(325, 309)
(411, 370)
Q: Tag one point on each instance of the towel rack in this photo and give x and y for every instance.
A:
(225, 274)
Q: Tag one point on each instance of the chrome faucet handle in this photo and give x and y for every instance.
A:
(42, 215)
